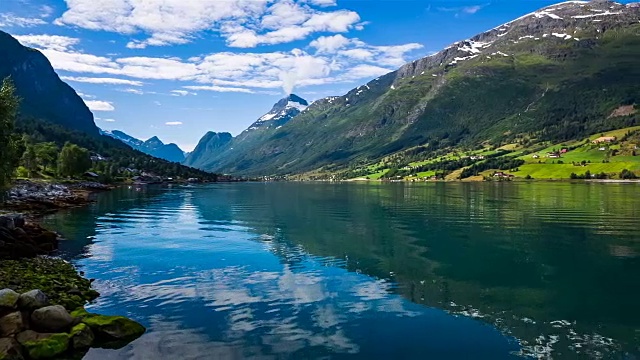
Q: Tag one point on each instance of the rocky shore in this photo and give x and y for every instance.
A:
(42, 298)
(36, 198)
(31, 327)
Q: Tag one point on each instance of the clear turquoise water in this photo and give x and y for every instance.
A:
(366, 271)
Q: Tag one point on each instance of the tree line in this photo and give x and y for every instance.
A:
(35, 147)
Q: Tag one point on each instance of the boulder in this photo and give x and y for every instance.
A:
(81, 336)
(18, 220)
(8, 299)
(32, 300)
(111, 327)
(7, 222)
(10, 349)
(11, 324)
(44, 346)
(31, 336)
(51, 318)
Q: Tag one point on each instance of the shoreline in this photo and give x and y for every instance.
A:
(31, 269)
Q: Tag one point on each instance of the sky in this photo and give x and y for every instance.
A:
(179, 68)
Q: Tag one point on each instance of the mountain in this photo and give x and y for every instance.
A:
(555, 74)
(43, 94)
(214, 148)
(154, 146)
(210, 144)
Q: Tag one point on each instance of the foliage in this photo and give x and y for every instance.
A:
(114, 151)
(73, 160)
(504, 163)
(10, 145)
(46, 154)
(626, 174)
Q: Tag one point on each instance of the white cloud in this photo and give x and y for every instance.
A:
(323, 2)
(98, 105)
(109, 120)
(182, 93)
(243, 23)
(55, 42)
(46, 11)
(329, 43)
(173, 123)
(94, 80)
(132, 91)
(470, 10)
(337, 59)
(11, 20)
(219, 89)
(157, 103)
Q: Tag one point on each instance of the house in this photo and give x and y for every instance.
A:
(478, 157)
(501, 174)
(553, 155)
(90, 174)
(536, 156)
(564, 151)
(602, 148)
(604, 139)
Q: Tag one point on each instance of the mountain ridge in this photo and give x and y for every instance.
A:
(44, 94)
(216, 145)
(524, 74)
(153, 146)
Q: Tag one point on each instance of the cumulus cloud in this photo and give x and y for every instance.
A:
(173, 123)
(329, 43)
(243, 23)
(336, 59)
(101, 80)
(98, 105)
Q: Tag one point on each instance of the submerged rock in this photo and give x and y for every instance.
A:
(51, 318)
(32, 300)
(10, 349)
(8, 299)
(11, 324)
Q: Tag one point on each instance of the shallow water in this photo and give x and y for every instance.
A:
(366, 271)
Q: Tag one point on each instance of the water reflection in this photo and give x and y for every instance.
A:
(317, 270)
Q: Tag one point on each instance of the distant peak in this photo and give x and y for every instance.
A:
(297, 99)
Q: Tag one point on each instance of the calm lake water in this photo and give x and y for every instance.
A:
(366, 271)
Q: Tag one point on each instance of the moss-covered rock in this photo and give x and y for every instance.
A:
(81, 336)
(8, 298)
(110, 329)
(57, 278)
(48, 347)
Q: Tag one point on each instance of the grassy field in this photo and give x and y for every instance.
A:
(582, 156)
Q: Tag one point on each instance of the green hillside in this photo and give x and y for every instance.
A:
(538, 79)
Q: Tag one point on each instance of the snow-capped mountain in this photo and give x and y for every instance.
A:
(215, 146)
(283, 111)
(154, 146)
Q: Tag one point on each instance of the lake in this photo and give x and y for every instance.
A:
(366, 270)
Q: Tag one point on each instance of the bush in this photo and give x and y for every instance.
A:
(626, 174)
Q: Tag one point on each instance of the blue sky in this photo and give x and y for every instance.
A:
(179, 68)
